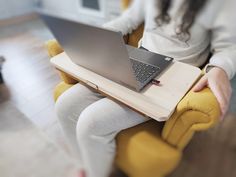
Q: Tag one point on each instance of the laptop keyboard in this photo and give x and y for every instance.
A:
(143, 71)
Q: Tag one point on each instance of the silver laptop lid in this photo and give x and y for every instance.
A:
(99, 50)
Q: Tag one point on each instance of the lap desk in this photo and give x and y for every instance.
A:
(157, 102)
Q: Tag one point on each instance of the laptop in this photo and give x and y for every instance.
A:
(104, 52)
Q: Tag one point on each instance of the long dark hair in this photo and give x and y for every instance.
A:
(191, 9)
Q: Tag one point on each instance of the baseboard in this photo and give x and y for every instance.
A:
(19, 19)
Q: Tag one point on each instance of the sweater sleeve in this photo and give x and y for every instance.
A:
(223, 43)
(130, 19)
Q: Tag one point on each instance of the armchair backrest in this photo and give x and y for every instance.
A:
(133, 39)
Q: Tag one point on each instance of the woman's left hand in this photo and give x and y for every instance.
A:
(217, 80)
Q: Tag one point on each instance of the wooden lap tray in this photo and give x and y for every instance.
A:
(157, 102)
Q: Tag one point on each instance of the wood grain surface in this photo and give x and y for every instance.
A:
(157, 102)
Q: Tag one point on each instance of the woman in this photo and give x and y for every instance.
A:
(187, 30)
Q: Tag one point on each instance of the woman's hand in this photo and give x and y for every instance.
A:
(217, 80)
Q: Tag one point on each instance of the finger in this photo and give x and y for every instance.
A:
(226, 91)
(201, 84)
(224, 114)
(222, 100)
(223, 104)
(222, 117)
(224, 109)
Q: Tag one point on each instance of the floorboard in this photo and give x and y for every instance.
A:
(30, 80)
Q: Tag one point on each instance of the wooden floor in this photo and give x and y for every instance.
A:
(30, 80)
(29, 77)
(211, 153)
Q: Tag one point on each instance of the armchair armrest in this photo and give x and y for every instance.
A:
(133, 39)
(54, 48)
(196, 112)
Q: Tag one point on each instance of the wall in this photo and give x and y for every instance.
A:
(69, 9)
(63, 8)
(11, 8)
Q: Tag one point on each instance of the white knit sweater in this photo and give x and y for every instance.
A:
(214, 31)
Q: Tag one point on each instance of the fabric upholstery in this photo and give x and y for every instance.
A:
(150, 150)
(60, 89)
(133, 39)
(196, 112)
(137, 34)
(54, 48)
(143, 153)
(134, 143)
(161, 149)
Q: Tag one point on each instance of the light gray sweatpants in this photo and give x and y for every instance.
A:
(91, 123)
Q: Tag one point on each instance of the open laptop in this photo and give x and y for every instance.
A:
(105, 53)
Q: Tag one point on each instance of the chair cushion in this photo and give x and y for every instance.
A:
(141, 149)
(61, 88)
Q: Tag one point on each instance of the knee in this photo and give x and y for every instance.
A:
(91, 124)
(86, 123)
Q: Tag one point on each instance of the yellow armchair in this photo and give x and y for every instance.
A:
(154, 149)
